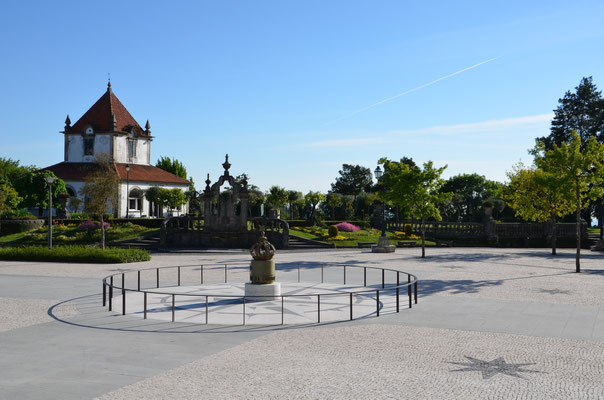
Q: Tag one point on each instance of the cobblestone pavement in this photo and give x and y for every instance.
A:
(490, 323)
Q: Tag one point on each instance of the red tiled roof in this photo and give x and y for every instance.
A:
(72, 171)
(100, 116)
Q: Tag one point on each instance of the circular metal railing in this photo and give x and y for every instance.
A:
(389, 284)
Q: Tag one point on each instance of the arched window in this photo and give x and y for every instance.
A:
(89, 142)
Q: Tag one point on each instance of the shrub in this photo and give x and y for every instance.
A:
(92, 226)
(74, 254)
(347, 227)
(332, 231)
(408, 229)
(17, 215)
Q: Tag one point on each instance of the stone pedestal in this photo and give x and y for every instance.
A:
(264, 292)
(262, 271)
(383, 246)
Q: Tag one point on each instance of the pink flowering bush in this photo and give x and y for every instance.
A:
(91, 226)
(347, 227)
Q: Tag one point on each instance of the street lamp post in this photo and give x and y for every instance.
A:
(127, 190)
(49, 180)
(378, 175)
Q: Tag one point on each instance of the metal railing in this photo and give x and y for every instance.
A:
(213, 271)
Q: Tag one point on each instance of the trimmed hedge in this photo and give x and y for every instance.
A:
(111, 255)
(303, 223)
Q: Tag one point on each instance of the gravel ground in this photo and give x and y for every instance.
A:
(383, 361)
(19, 313)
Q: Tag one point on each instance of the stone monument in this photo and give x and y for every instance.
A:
(383, 246)
(262, 271)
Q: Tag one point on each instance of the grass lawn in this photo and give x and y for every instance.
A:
(593, 230)
(70, 235)
(348, 239)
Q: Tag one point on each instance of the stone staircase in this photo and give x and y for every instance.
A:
(150, 242)
(298, 243)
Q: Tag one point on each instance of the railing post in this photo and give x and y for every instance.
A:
(123, 301)
(282, 310)
(104, 294)
(243, 310)
(157, 278)
(201, 273)
(383, 281)
(145, 305)
(322, 265)
(207, 310)
(344, 274)
(225, 273)
(398, 278)
(364, 276)
(138, 281)
(377, 302)
(173, 306)
(298, 273)
(110, 297)
(178, 276)
(409, 289)
(318, 308)
(415, 284)
(123, 281)
(351, 306)
(397, 299)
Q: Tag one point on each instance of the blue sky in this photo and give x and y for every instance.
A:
(284, 86)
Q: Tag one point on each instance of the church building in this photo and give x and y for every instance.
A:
(107, 127)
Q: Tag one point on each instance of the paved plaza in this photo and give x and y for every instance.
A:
(490, 323)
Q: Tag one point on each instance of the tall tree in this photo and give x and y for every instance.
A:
(580, 174)
(10, 170)
(535, 195)
(414, 188)
(172, 198)
(276, 197)
(470, 190)
(33, 190)
(101, 190)
(9, 198)
(312, 199)
(333, 200)
(580, 111)
(172, 165)
(353, 180)
(292, 197)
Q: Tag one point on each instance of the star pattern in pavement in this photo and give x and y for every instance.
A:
(491, 368)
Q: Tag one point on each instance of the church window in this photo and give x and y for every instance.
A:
(131, 148)
(89, 146)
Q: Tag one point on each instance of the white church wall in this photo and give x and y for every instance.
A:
(75, 148)
(123, 200)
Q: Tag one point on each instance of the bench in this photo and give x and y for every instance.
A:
(365, 244)
(406, 243)
(444, 243)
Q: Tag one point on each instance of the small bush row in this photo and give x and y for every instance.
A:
(74, 254)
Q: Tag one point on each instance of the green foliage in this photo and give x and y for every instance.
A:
(152, 194)
(579, 173)
(408, 229)
(333, 201)
(469, 192)
(173, 166)
(9, 198)
(312, 200)
(292, 197)
(332, 231)
(172, 198)
(33, 190)
(580, 112)
(17, 214)
(74, 254)
(10, 170)
(353, 180)
(276, 196)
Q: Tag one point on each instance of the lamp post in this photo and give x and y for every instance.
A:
(378, 175)
(127, 190)
(49, 180)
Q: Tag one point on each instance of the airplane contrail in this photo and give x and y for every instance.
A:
(411, 90)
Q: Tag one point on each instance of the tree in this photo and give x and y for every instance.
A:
(579, 172)
(173, 166)
(292, 197)
(33, 190)
(581, 111)
(100, 190)
(9, 198)
(470, 190)
(193, 197)
(312, 199)
(353, 180)
(276, 197)
(535, 196)
(10, 170)
(333, 200)
(414, 188)
(171, 198)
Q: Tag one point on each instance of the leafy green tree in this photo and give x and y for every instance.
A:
(312, 200)
(276, 197)
(535, 196)
(414, 188)
(292, 197)
(581, 111)
(353, 180)
(469, 192)
(173, 166)
(171, 198)
(333, 200)
(33, 190)
(580, 174)
(9, 198)
(101, 190)
(10, 170)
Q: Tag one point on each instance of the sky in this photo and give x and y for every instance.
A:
(292, 90)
